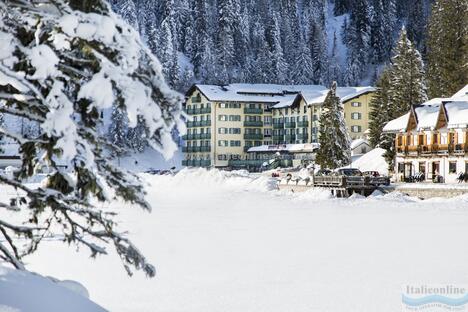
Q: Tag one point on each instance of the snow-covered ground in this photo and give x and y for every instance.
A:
(230, 242)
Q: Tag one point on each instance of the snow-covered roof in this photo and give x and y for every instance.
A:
(457, 112)
(293, 148)
(427, 116)
(278, 96)
(398, 124)
(356, 143)
(462, 94)
(456, 108)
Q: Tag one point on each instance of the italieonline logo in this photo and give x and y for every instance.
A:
(434, 298)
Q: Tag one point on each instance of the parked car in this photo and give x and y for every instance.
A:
(349, 172)
(371, 173)
(324, 172)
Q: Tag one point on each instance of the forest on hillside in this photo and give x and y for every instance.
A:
(280, 41)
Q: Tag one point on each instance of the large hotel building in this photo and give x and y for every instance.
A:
(229, 124)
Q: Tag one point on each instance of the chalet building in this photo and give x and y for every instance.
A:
(432, 139)
(227, 121)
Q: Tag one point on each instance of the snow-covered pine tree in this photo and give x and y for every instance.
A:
(358, 42)
(126, 9)
(225, 40)
(319, 54)
(334, 151)
(416, 26)
(61, 63)
(118, 129)
(447, 46)
(379, 109)
(279, 65)
(341, 7)
(407, 77)
(334, 70)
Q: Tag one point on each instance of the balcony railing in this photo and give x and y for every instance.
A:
(196, 136)
(302, 136)
(290, 137)
(253, 123)
(196, 149)
(201, 123)
(432, 149)
(206, 110)
(302, 124)
(290, 124)
(279, 125)
(255, 136)
(196, 163)
(278, 138)
(253, 111)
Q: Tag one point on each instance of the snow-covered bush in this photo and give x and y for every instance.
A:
(61, 64)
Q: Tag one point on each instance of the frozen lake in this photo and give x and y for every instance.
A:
(230, 244)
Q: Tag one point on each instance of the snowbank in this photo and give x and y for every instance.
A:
(22, 291)
(212, 180)
(372, 161)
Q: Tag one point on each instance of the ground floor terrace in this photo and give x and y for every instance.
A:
(437, 168)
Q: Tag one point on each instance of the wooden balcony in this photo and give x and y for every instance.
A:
(432, 149)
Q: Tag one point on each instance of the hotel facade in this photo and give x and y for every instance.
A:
(228, 121)
(432, 139)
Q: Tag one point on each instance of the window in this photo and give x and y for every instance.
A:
(452, 167)
(222, 157)
(305, 109)
(222, 130)
(400, 140)
(223, 105)
(314, 117)
(234, 130)
(234, 118)
(222, 117)
(235, 143)
(355, 115)
(356, 104)
(355, 129)
(223, 143)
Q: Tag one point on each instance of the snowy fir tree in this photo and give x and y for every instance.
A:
(447, 46)
(407, 77)
(61, 64)
(118, 129)
(379, 105)
(258, 41)
(334, 151)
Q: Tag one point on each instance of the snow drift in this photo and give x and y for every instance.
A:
(22, 291)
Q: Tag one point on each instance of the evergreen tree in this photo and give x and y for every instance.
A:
(379, 109)
(407, 80)
(118, 129)
(319, 56)
(71, 77)
(279, 66)
(334, 139)
(341, 7)
(447, 46)
(358, 42)
(225, 39)
(416, 26)
(334, 73)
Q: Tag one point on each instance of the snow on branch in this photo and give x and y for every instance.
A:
(62, 63)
